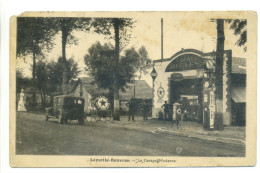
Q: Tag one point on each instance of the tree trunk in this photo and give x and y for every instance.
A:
(219, 74)
(43, 98)
(34, 79)
(115, 85)
(111, 98)
(64, 41)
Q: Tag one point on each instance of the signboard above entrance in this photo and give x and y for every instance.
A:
(186, 62)
(176, 77)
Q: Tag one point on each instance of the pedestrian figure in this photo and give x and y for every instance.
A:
(176, 118)
(165, 106)
(145, 110)
(131, 110)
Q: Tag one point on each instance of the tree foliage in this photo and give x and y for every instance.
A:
(101, 65)
(240, 28)
(66, 25)
(34, 35)
(48, 75)
(106, 26)
(122, 34)
(21, 81)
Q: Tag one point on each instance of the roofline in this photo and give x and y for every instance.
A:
(178, 53)
(187, 51)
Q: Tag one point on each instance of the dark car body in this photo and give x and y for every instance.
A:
(66, 108)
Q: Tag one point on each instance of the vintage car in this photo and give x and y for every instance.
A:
(66, 108)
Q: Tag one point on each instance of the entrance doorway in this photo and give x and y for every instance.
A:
(188, 92)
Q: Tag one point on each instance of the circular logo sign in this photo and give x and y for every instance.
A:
(178, 111)
(160, 92)
(102, 103)
(206, 85)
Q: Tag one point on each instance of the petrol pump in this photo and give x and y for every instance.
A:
(209, 95)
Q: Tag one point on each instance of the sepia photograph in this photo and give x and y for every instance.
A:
(133, 89)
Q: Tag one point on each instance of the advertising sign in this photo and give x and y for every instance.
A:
(102, 103)
(212, 109)
(176, 77)
(186, 62)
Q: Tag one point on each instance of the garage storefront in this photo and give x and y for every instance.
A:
(189, 75)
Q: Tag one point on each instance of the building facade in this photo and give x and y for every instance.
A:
(190, 74)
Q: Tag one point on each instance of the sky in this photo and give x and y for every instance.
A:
(180, 31)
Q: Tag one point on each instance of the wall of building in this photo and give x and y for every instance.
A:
(160, 81)
(163, 80)
(88, 107)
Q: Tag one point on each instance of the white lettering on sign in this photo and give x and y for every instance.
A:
(225, 80)
(212, 109)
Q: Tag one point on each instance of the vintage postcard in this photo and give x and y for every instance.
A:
(133, 89)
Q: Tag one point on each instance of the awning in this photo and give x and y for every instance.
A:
(238, 94)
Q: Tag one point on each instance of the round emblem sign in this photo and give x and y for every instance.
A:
(206, 85)
(160, 92)
(102, 103)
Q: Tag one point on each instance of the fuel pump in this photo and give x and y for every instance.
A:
(209, 96)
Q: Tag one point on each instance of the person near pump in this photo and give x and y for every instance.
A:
(166, 108)
(131, 110)
(145, 110)
(178, 119)
(176, 115)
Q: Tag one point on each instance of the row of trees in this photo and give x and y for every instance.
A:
(47, 77)
(35, 36)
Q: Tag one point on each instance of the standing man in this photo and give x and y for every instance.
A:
(165, 106)
(131, 110)
(176, 117)
(145, 110)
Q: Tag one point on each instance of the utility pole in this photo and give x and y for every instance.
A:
(219, 74)
(115, 85)
(162, 38)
